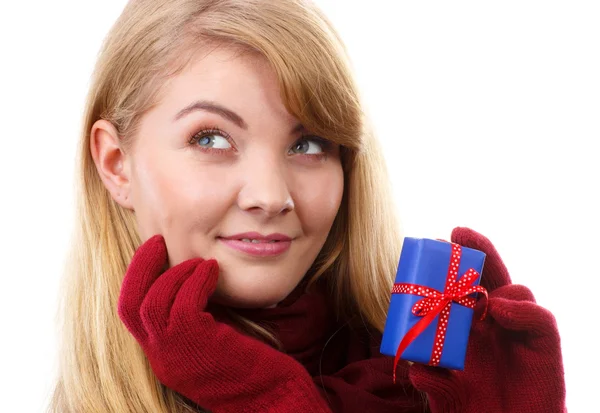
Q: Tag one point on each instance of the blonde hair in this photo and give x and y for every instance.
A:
(101, 366)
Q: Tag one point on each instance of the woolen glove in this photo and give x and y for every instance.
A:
(513, 361)
(206, 361)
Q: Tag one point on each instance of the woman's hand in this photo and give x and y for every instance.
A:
(204, 360)
(513, 361)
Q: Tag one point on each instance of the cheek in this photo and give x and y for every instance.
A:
(174, 200)
(319, 200)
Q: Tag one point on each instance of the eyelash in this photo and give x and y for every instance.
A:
(207, 132)
(325, 144)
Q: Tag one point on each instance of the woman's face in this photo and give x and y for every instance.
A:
(222, 170)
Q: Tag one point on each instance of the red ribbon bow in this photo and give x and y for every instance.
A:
(437, 303)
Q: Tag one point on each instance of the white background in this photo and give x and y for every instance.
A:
(488, 113)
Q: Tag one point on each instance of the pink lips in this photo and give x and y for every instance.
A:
(265, 247)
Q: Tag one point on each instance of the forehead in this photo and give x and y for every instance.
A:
(243, 81)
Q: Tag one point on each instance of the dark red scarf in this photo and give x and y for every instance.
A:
(343, 359)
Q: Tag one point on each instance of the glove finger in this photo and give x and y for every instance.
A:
(193, 295)
(145, 267)
(522, 316)
(156, 307)
(515, 292)
(495, 273)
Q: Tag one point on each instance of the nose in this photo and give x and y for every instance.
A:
(266, 190)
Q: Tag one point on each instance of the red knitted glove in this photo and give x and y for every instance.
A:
(513, 361)
(206, 361)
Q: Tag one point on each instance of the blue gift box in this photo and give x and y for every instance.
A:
(425, 262)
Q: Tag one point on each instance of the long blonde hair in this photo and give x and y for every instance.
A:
(101, 366)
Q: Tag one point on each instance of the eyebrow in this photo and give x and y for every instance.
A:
(212, 107)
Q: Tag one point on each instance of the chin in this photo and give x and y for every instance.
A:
(251, 296)
(258, 285)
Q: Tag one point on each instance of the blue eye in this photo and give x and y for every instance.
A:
(212, 140)
(308, 146)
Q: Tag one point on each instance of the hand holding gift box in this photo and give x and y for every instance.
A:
(432, 303)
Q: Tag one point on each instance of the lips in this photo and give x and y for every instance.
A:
(259, 238)
(258, 245)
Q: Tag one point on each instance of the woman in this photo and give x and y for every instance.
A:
(235, 242)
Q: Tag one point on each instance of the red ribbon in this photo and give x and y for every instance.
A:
(437, 303)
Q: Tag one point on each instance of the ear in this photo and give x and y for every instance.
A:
(112, 163)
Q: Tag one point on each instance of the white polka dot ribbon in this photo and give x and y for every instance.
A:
(437, 303)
